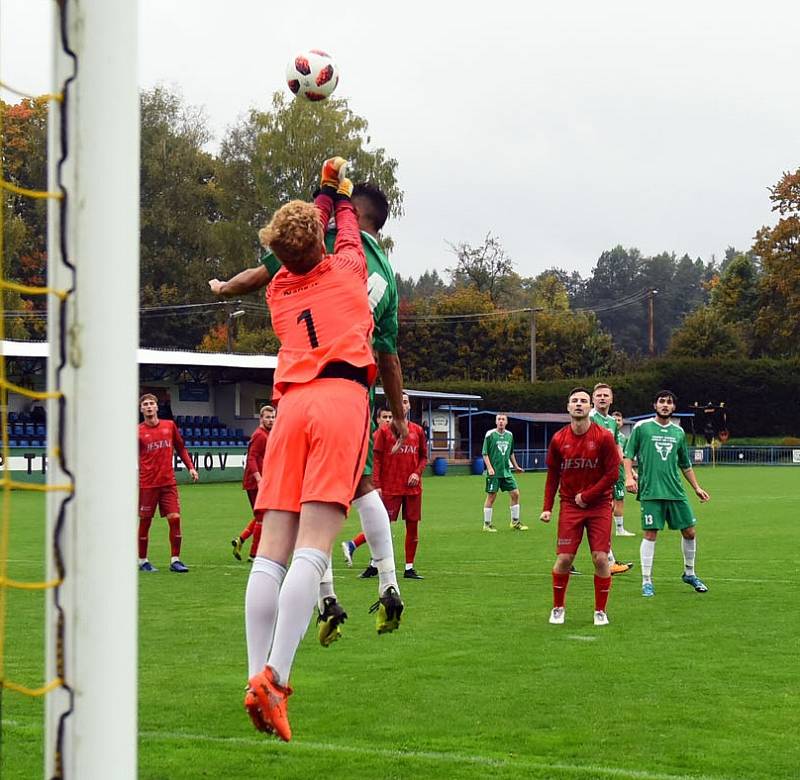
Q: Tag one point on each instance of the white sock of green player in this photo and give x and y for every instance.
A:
(647, 551)
(261, 610)
(326, 586)
(378, 531)
(515, 513)
(619, 522)
(487, 515)
(689, 551)
(295, 605)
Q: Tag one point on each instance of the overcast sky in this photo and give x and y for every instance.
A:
(563, 128)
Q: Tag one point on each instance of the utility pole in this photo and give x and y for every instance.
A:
(533, 342)
(651, 294)
(232, 317)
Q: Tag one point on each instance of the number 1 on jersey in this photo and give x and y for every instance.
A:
(309, 320)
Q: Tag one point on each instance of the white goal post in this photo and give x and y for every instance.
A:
(91, 722)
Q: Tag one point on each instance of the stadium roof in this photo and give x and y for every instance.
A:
(164, 357)
(531, 417)
(434, 395)
(638, 417)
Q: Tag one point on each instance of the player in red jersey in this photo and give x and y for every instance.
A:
(253, 467)
(397, 474)
(318, 446)
(157, 486)
(584, 459)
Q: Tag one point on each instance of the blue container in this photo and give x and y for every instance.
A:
(440, 467)
(478, 466)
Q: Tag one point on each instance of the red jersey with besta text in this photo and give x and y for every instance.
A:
(587, 464)
(255, 458)
(156, 444)
(323, 316)
(390, 471)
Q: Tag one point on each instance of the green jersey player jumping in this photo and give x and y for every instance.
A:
(659, 447)
(372, 210)
(498, 457)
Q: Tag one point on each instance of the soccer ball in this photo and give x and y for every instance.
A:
(312, 75)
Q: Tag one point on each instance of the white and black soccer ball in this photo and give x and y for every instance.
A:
(312, 75)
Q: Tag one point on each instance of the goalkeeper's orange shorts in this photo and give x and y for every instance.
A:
(318, 445)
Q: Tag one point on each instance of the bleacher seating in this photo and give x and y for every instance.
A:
(200, 431)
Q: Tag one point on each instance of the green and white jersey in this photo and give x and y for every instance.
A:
(607, 422)
(499, 447)
(623, 440)
(381, 288)
(662, 453)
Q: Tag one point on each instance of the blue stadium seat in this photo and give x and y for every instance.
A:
(197, 420)
(215, 433)
(24, 417)
(206, 433)
(223, 432)
(206, 420)
(19, 429)
(41, 430)
(239, 433)
(30, 429)
(197, 433)
(179, 420)
(206, 443)
(12, 442)
(23, 443)
(215, 420)
(12, 417)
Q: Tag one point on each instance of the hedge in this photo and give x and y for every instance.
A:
(762, 396)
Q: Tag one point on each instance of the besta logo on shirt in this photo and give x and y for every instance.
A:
(160, 444)
(406, 449)
(579, 463)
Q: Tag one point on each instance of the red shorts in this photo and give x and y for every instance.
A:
(571, 522)
(411, 506)
(165, 498)
(317, 447)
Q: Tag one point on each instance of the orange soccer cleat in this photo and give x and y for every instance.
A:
(265, 703)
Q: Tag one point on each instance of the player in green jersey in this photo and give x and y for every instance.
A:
(498, 456)
(372, 210)
(619, 486)
(659, 447)
(602, 398)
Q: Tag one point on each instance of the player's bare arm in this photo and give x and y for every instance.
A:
(631, 484)
(514, 463)
(488, 464)
(579, 501)
(247, 281)
(692, 480)
(392, 380)
(194, 475)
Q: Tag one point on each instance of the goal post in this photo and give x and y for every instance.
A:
(93, 255)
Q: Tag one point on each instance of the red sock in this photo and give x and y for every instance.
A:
(248, 531)
(144, 532)
(257, 525)
(175, 537)
(602, 585)
(412, 540)
(560, 582)
(359, 540)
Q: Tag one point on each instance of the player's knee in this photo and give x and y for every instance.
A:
(514, 495)
(365, 485)
(688, 533)
(563, 563)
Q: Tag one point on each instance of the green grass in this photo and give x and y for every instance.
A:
(476, 683)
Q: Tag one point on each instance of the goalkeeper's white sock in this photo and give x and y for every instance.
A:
(375, 524)
(487, 515)
(326, 586)
(647, 551)
(295, 605)
(619, 521)
(689, 551)
(611, 559)
(261, 610)
(515, 513)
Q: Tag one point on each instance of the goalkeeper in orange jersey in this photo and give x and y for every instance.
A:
(321, 314)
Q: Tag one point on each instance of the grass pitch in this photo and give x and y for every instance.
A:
(476, 683)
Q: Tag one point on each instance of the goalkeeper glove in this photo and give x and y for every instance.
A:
(333, 171)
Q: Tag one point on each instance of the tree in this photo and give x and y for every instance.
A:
(735, 295)
(487, 267)
(178, 205)
(705, 334)
(777, 327)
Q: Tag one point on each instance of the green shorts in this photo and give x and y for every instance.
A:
(675, 514)
(367, 472)
(506, 484)
(619, 490)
